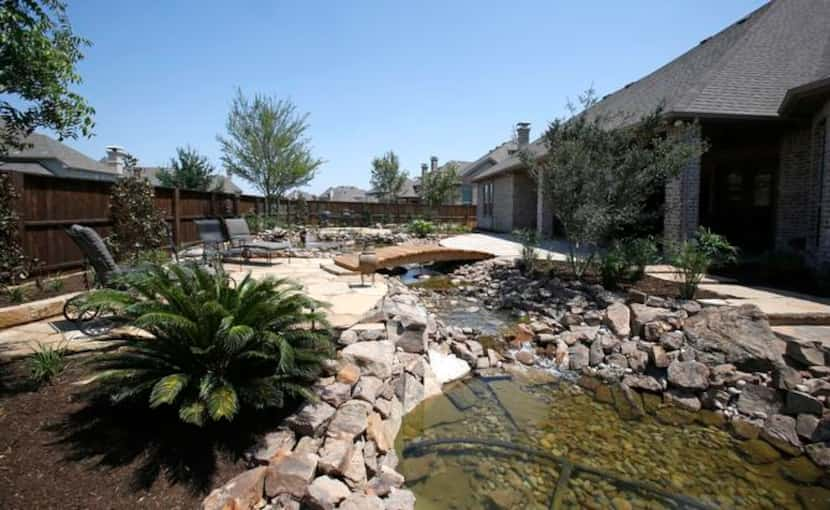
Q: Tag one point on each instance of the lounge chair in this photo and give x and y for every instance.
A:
(106, 270)
(240, 236)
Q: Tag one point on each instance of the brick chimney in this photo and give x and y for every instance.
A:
(433, 163)
(423, 171)
(116, 157)
(522, 134)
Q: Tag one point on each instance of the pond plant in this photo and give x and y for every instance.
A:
(210, 347)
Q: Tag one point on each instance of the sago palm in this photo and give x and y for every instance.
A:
(208, 346)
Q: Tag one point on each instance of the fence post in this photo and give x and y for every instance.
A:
(18, 182)
(177, 218)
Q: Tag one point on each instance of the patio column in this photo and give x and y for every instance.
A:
(682, 208)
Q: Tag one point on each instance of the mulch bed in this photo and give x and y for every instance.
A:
(59, 449)
(648, 284)
(32, 292)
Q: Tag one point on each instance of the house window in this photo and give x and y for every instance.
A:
(487, 198)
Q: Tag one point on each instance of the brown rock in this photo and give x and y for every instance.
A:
(242, 492)
(744, 428)
(326, 493)
(689, 375)
(779, 431)
(618, 319)
(349, 373)
(291, 475)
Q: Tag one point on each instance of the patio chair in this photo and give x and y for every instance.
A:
(240, 236)
(99, 257)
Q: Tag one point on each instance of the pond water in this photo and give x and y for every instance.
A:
(565, 438)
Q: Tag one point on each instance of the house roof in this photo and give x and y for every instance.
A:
(345, 194)
(743, 71)
(42, 147)
(25, 167)
(219, 183)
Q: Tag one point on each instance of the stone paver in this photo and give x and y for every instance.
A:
(347, 299)
(504, 245)
(781, 306)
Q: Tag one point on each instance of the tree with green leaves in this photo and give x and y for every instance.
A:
(188, 170)
(388, 179)
(138, 226)
(12, 258)
(440, 186)
(266, 144)
(38, 55)
(598, 177)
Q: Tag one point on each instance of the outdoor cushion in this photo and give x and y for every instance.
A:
(240, 235)
(237, 229)
(95, 250)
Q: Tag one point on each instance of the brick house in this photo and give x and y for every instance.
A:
(760, 91)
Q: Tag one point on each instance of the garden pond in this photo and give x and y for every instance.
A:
(504, 442)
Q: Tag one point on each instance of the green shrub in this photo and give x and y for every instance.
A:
(12, 258)
(151, 257)
(530, 241)
(694, 258)
(55, 285)
(421, 228)
(46, 362)
(613, 266)
(209, 347)
(639, 253)
(137, 225)
(16, 295)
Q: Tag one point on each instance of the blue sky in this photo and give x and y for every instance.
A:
(448, 78)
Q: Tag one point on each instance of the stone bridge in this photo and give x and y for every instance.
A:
(394, 256)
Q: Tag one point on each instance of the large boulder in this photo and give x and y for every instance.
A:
(373, 358)
(737, 335)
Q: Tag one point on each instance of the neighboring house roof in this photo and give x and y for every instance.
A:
(26, 167)
(407, 191)
(43, 148)
(345, 194)
(218, 183)
(744, 71)
(297, 194)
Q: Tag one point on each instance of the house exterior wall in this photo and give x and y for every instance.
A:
(524, 201)
(682, 211)
(822, 166)
(501, 219)
(796, 203)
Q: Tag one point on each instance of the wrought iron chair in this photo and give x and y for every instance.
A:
(239, 236)
(105, 269)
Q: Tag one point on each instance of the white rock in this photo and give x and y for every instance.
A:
(447, 367)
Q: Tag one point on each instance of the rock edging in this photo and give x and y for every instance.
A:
(338, 452)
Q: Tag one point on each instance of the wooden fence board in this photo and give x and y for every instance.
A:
(49, 205)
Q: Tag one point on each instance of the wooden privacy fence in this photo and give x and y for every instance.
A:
(48, 205)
